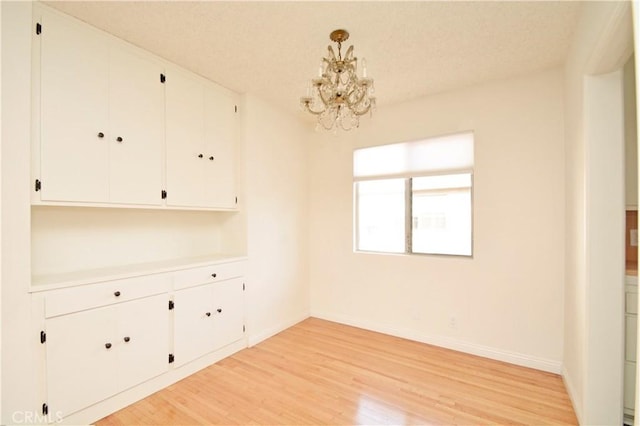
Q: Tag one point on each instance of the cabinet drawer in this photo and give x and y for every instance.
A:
(631, 303)
(206, 274)
(105, 293)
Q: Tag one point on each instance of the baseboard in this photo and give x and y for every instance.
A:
(254, 339)
(524, 360)
(573, 395)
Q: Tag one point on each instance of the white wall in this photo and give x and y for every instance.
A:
(508, 299)
(630, 134)
(276, 196)
(604, 345)
(593, 307)
(18, 374)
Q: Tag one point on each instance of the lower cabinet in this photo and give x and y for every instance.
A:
(207, 318)
(97, 353)
(631, 333)
(105, 337)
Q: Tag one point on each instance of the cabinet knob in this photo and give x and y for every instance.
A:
(101, 135)
(211, 158)
(127, 339)
(214, 275)
(119, 139)
(116, 294)
(219, 310)
(200, 155)
(107, 345)
(208, 314)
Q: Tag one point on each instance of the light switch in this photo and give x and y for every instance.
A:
(633, 237)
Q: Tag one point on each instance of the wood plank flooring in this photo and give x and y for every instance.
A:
(320, 372)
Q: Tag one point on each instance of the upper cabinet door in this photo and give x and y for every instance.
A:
(220, 141)
(74, 112)
(184, 140)
(136, 109)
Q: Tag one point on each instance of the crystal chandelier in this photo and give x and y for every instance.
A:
(338, 97)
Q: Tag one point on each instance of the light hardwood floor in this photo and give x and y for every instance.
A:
(320, 372)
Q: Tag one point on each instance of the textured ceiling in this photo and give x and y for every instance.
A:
(272, 49)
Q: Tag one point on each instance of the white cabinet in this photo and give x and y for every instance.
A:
(116, 125)
(207, 318)
(129, 331)
(201, 134)
(74, 110)
(101, 118)
(93, 354)
(631, 333)
(221, 129)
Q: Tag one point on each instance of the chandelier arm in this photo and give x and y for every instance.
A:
(326, 102)
(308, 108)
(357, 101)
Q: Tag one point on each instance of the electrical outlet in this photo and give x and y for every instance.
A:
(453, 322)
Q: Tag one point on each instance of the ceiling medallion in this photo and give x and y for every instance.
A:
(338, 97)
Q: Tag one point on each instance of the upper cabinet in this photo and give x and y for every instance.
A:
(102, 119)
(74, 113)
(201, 142)
(101, 135)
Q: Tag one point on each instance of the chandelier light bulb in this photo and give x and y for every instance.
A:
(338, 97)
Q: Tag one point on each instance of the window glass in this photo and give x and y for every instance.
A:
(380, 215)
(441, 214)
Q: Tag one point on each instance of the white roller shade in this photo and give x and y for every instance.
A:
(452, 152)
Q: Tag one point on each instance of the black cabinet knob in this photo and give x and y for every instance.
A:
(219, 310)
(208, 314)
(119, 139)
(116, 294)
(214, 275)
(101, 135)
(126, 339)
(200, 155)
(211, 158)
(107, 345)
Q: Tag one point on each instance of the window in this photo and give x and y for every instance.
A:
(415, 197)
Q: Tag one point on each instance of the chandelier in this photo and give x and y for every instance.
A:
(338, 97)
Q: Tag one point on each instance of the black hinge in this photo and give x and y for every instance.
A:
(163, 194)
(38, 185)
(163, 78)
(236, 108)
(171, 305)
(45, 409)
(243, 328)
(236, 200)
(38, 28)
(243, 287)
(171, 358)
(43, 336)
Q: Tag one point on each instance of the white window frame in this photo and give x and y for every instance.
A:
(408, 205)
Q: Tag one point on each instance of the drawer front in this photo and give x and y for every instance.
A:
(76, 299)
(206, 274)
(631, 303)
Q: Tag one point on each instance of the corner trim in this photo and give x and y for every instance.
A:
(254, 339)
